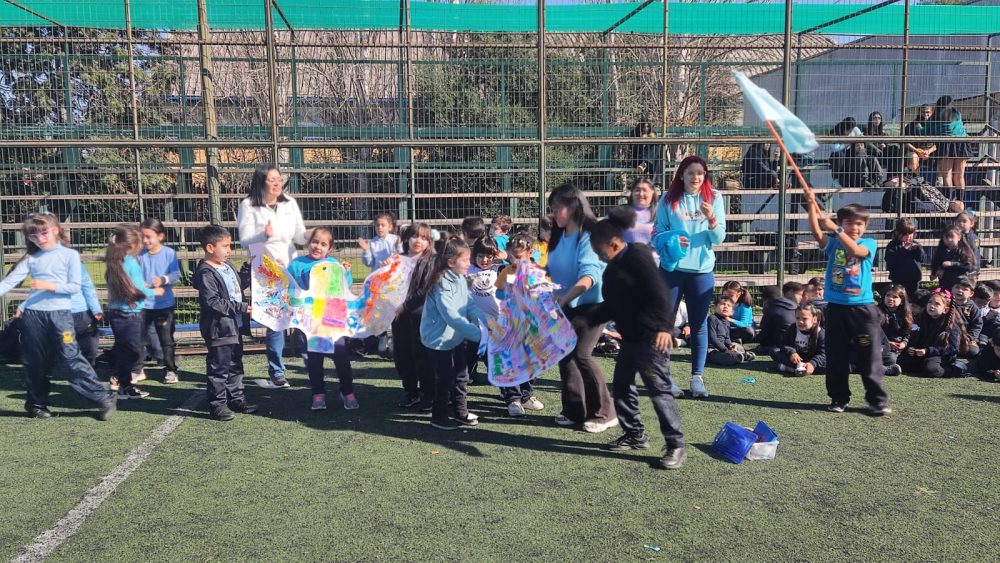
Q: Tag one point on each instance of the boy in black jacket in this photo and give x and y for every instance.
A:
(961, 293)
(635, 298)
(778, 316)
(722, 350)
(220, 298)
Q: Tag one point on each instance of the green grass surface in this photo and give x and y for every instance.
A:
(381, 484)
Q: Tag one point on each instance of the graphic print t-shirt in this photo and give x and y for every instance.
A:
(849, 277)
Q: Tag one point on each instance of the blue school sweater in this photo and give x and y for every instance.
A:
(162, 264)
(449, 315)
(134, 272)
(573, 259)
(380, 249)
(59, 265)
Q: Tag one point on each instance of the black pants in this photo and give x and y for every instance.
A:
(854, 328)
(224, 368)
(744, 334)
(784, 358)
(341, 361)
(521, 392)
(934, 366)
(654, 368)
(451, 382)
(128, 330)
(584, 387)
(47, 339)
(410, 356)
(86, 336)
(162, 321)
(472, 361)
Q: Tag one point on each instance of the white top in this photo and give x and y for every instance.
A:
(286, 220)
(801, 339)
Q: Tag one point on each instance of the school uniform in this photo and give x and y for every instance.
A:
(940, 360)
(127, 325)
(811, 350)
(409, 354)
(222, 319)
(719, 342)
(893, 330)
(988, 364)
(778, 315)
(973, 317)
(957, 269)
(905, 265)
(380, 250)
(159, 311)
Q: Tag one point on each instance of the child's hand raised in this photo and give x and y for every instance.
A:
(363, 244)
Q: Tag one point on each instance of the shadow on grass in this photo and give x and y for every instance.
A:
(984, 398)
(786, 405)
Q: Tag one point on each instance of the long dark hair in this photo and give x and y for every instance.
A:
(420, 230)
(569, 196)
(965, 252)
(903, 227)
(844, 128)
(453, 248)
(619, 220)
(258, 182)
(676, 188)
(906, 318)
(937, 332)
(817, 314)
(872, 130)
(124, 239)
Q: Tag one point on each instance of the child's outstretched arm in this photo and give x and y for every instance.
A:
(15, 277)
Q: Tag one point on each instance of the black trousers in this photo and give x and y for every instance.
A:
(162, 321)
(520, 393)
(86, 336)
(451, 382)
(341, 361)
(47, 339)
(224, 368)
(654, 368)
(854, 328)
(127, 352)
(584, 388)
(410, 356)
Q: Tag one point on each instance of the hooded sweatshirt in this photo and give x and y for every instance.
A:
(687, 217)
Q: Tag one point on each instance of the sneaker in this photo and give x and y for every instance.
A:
(242, 407)
(409, 401)
(698, 387)
(446, 424)
(280, 382)
(595, 427)
(532, 404)
(469, 419)
(749, 356)
(837, 407)
(222, 414)
(894, 369)
(673, 458)
(319, 402)
(785, 369)
(350, 402)
(383, 344)
(113, 383)
(38, 412)
(515, 409)
(563, 420)
(800, 370)
(425, 405)
(170, 378)
(879, 410)
(131, 392)
(627, 442)
(137, 377)
(107, 407)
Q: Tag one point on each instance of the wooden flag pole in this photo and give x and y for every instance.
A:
(795, 167)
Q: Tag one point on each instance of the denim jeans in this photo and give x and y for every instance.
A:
(654, 368)
(48, 338)
(697, 292)
(275, 341)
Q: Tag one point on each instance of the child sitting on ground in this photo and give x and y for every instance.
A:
(722, 350)
(896, 321)
(741, 323)
(990, 310)
(814, 293)
(804, 349)
(937, 339)
(988, 363)
(779, 314)
(961, 296)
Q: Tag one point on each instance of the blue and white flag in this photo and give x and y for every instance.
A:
(795, 134)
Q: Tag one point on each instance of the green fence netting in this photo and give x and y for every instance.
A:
(685, 18)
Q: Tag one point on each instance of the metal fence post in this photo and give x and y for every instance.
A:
(786, 84)
(542, 108)
(134, 98)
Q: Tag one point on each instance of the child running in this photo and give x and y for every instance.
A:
(127, 296)
(47, 332)
(224, 316)
(804, 350)
(852, 319)
(449, 320)
(897, 322)
(938, 339)
(160, 269)
(636, 300)
(318, 247)
(409, 354)
(375, 251)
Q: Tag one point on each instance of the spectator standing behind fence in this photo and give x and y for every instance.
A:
(693, 207)
(574, 266)
(951, 155)
(647, 159)
(758, 170)
(270, 221)
(642, 199)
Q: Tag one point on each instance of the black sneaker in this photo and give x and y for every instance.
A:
(673, 458)
(222, 414)
(425, 405)
(242, 407)
(446, 424)
(409, 401)
(879, 410)
(627, 442)
(107, 407)
(131, 392)
(894, 369)
(837, 407)
(38, 412)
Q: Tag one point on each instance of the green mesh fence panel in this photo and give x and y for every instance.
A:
(685, 18)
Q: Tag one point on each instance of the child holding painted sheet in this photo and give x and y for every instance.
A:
(636, 299)
(318, 250)
(409, 354)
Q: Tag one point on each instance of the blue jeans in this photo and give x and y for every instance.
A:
(48, 339)
(697, 291)
(275, 341)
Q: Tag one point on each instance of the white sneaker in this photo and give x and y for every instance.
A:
(597, 427)
(515, 409)
(698, 387)
(800, 369)
(532, 404)
(137, 377)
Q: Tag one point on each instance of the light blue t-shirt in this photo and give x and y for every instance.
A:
(849, 278)
(134, 272)
(232, 280)
(161, 264)
(59, 265)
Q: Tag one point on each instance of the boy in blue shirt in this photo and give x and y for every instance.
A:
(852, 318)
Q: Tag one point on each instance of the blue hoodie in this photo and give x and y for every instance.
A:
(688, 218)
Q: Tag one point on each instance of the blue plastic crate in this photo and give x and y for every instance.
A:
(733, 442)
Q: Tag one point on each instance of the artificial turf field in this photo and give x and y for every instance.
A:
(381, 484)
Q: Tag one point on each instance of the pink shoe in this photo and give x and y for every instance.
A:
(319, 402)
(350, 402)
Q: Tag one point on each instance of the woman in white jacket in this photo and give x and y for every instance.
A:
(270, 221)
